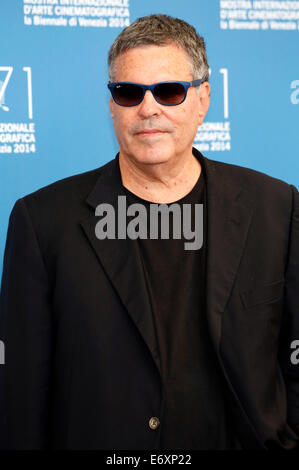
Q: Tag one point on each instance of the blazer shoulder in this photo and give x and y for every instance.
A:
(247, 174)
(255, 182)
(262, 191)
(55, 206)
(75, 187)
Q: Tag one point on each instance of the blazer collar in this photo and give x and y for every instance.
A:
(229, 213)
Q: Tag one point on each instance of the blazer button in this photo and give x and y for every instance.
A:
(154, 422)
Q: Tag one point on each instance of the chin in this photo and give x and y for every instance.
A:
(152, 155)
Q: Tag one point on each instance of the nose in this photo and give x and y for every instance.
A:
(149, 106)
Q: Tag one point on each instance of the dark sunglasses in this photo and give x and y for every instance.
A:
(167, 93)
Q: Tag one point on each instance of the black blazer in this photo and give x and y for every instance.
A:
(82, 367)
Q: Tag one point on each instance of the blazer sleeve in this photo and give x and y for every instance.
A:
(26, 330)
(290, 322)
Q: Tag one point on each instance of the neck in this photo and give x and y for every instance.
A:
(160, 182)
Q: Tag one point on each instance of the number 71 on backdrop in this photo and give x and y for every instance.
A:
(9, 72)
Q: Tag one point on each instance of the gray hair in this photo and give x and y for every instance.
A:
(161, 30)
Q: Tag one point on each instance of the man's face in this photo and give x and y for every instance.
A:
(151, 132)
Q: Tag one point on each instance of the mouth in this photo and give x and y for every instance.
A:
(150, 132)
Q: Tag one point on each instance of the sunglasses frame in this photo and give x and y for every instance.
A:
(186, 85)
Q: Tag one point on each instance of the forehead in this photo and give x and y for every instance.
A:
(150, 64)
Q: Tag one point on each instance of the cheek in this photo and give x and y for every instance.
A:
(186, 126)
(184, 123)
(119, 122)
(121, 125)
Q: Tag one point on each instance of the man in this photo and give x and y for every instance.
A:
(138, 343)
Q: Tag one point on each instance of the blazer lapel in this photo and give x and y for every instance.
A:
(229, 215)
(120, 258)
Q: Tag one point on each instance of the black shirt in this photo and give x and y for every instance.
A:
(194, 413)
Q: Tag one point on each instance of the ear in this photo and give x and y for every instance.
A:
(204, 101)
(111, 107)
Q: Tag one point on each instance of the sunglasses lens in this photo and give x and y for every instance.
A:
(170, 93)
(127, 95)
